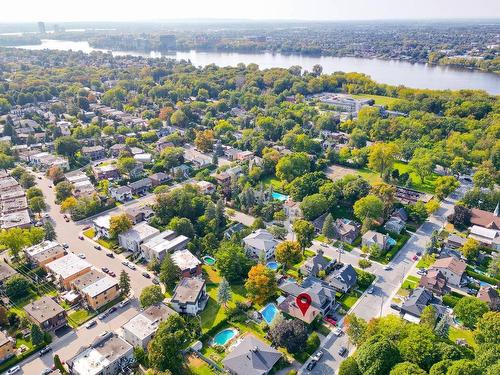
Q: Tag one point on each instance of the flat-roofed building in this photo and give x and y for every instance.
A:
(133, 238)
(46, 313)
(188, 264)
(67, 269)
(44, 252)
(190, 296)
(101, 292)
(7, 346)
(139, 330)
(109, 354)
(102, 225)
(6, 272)
(163, 243)
(18, 219)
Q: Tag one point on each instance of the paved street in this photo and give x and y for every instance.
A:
(386, 284)
(69, 344)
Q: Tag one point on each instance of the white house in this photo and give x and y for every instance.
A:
(133, 238)
(101, 226)
(258, 242)
(121, 193)
(190, 296)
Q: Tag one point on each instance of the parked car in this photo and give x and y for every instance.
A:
(80, 237)
(415, 258)
(90, 324)
(387, 268)
(45, 350)
(105, 270)
(112, 310)
(66, 219)
(97, 247)
(395, 307)
(156, 281)
(471, 291)
(65, 245)
(103, 316)
(13, 370)
(39, 177)
(338, 332)
(419, 253)
(342, 351)
(131, 266)
(112, 274)
(370, 290)
(421, 272)
(81, 256)
(111, 255)
(311, 364)
(146, 275)
(125, 263)
(318, 355)
(330, 320)
(124, 303)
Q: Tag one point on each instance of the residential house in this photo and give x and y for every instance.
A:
(401, 213)
(162, 244)
(137, 171)
(96, 288)
(454, 241)
(137, 235)
(235, 228)
(140, 187)
(417, 301)
(435, 282)
(292, 209)
(251, 356)
(487, 237)
(101, 226)
(159, 178)
(6, 272)
(394, 224)
(106, 172)
(346, 230)
(312, 266)
(46, 313)
(121, 193)
(322, 294)
(67, 269)
(205, 187)
(7, 346)
(93, 152)
(144, 157)
(407, 196)
(371, 238)
(244, 155)
(181, 171)
(43, 253)
(260, 242)
(190, 296)
(139, 330)
(489, 295)
(117, 149)
(451, 268)
(109, 354)
(44, 160)
(288, 305)
(486, 219)
(18, 219)
(163, 143)
(343, 279)
(189, 265)
(319, 222)
(139, 213)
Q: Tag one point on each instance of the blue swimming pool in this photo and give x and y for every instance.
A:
(224, 336)
(273, 265)
(391, 241)
(209, 260)
(269, 312)
(279, 196)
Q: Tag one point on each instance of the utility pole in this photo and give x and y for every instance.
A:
(340, 251)
(381, 306)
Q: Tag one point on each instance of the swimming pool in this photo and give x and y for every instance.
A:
(279, 196)
(269, 312)
(224, 336)
(273, 265)
(391, 241)
(208, 260)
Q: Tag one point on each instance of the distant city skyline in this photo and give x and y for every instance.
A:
(319, 10)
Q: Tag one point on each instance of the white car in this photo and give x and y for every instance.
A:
(13, 370)
(370, 290)
(338, 332)
(81, 255)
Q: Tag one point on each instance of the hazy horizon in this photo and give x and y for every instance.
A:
(258, 10)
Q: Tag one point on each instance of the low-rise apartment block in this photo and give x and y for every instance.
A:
(162, 244)
(44, 252)
(67, 269)
(46, 313)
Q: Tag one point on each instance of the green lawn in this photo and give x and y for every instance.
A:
(108, 244)
(411, 282)
(426, 261)
(348, 300)
(275, 182)
(379, 99)
(78, 317)
(462, 333)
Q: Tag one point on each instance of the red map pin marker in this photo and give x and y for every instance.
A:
(303, 300)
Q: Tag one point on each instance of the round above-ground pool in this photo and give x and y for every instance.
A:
(224, 336)
(209, 260)
(273, 265)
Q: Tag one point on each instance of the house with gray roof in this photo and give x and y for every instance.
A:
(312, 266)
(395, 224)
(322, 294)
(343, 279)
(190, 296)
(260, 242)
(121, 193)
(133, 238)
(371, 238)
(251, 357)
(141, 186)
(418, 300)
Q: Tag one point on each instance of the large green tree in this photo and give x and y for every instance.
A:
(232, 261)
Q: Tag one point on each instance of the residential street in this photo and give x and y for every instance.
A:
(385, 285)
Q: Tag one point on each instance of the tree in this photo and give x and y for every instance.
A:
(14, 240)
(50, 233)
(165, 349)
(305, 185)
(369, 207)
(126, 164)
(387, 194)
(461, 216)
(355, 328)
(313, 206)
(442, 327)
(469, 310)
(34, 235)
(377, 355)
(419, 347)
(428, 317)
(224, 293)
(407, 368)
(261, 283)
(232, 261)
(172, 157)
(37, 204)
(488, 328)
(64, 189)
(288, 253)
(33, 192)
(37, 337)
(17, 286)
(328, 229)
(179, 118)
(69, 204)
(290, 334)
(464, 367)
(382, 157)
(220, 217)
(170, 273)
(445, 185)
(485, 176)
(182, 226)
(27, 180)
(422, 163)
(119, 224)
(349, 366)
(470, 249)
(58, 365)
(258, 223)
(151, 295)
(293, 165)
(55, 173)
(124, 283)
(304, 231)
(204, 140)
(67, 146)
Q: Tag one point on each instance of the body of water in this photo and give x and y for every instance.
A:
(383, 71)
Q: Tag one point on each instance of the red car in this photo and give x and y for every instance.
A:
(415, 257)
(330, 320)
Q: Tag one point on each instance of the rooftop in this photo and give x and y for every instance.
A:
(188, 290)
(44, 250)
(43, 309)
(100, 286)
(88, 279)
(456, 265)
(185, 260)
(164, 242)
(68, 265)
(140, 232)
(146, 323)
(6, 271)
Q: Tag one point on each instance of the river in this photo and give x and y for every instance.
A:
(384, 71)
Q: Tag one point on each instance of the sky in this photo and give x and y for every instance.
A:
(154, 10)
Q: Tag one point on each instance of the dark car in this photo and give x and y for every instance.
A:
(146, 275)
(156, 281)
(395, 307)
(111, 255)
(105, 269)
(112, 310)
(112, 274)
(342, 351)
(311, 364)
(45, 350)
(80, 238)
(97, 247)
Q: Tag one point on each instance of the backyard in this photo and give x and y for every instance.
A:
(410, 283)
(379, 99)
